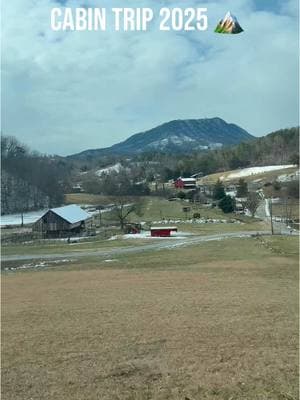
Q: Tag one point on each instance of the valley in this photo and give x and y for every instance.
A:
(155, 276)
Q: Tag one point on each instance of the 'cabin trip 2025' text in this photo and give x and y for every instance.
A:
(128, 19)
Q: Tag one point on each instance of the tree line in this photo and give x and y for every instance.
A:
(30, 180)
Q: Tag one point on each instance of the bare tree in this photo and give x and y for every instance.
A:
(252, 202)
(125, 206)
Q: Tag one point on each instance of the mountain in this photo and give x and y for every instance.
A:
(176, 136)
(229, 24)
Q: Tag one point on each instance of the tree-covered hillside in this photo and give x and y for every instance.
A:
(277, 148)
(29, 180)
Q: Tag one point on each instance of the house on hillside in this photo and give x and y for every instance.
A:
(185, 183)
(63, 221)
(77, 188)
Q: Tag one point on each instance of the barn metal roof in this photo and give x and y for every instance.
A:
(71, 213)
(188, 179)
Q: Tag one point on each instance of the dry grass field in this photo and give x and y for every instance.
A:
(212, 322)
(87, 198)
(290, 211)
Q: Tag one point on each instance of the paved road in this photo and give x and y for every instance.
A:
(158, 245)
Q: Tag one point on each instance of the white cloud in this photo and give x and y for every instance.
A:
(65, 92)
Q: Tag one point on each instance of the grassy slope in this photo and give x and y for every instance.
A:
(217, 322)
(86, 198)
(270, 176)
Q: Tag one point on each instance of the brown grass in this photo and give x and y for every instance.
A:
(86, 198)
(290, 211)
(172, 327)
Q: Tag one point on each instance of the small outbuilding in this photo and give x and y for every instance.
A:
(162, 231)
(63, 221)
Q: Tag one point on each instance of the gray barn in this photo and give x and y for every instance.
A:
(62, 221)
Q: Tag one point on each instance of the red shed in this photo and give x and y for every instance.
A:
(162, 231)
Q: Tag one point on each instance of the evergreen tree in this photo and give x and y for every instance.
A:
(227, 204)
(219, 191)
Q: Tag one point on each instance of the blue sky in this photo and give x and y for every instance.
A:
(66, 92)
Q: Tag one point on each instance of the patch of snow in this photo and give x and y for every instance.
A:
(15, 219)
(197, 221)
(288, 177)
(267, 208)
(113, 168)
(40, 264)
(114, 237)
(180, 139)
(256, 170)
(147, 235)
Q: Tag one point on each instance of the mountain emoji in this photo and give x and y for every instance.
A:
(229, 24)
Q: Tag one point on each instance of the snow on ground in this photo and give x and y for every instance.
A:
(289, 177)
(147, 235)
(267, 208)
(39, 264)
(15, 219)
(197, 221)
(113, 168)
(256, 170)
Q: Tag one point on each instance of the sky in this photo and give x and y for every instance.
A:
(64, 92)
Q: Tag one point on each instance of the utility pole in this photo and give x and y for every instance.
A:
(271, 215)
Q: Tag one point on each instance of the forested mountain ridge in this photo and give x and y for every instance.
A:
(176, 136)
(280, 147)
(277, 148)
